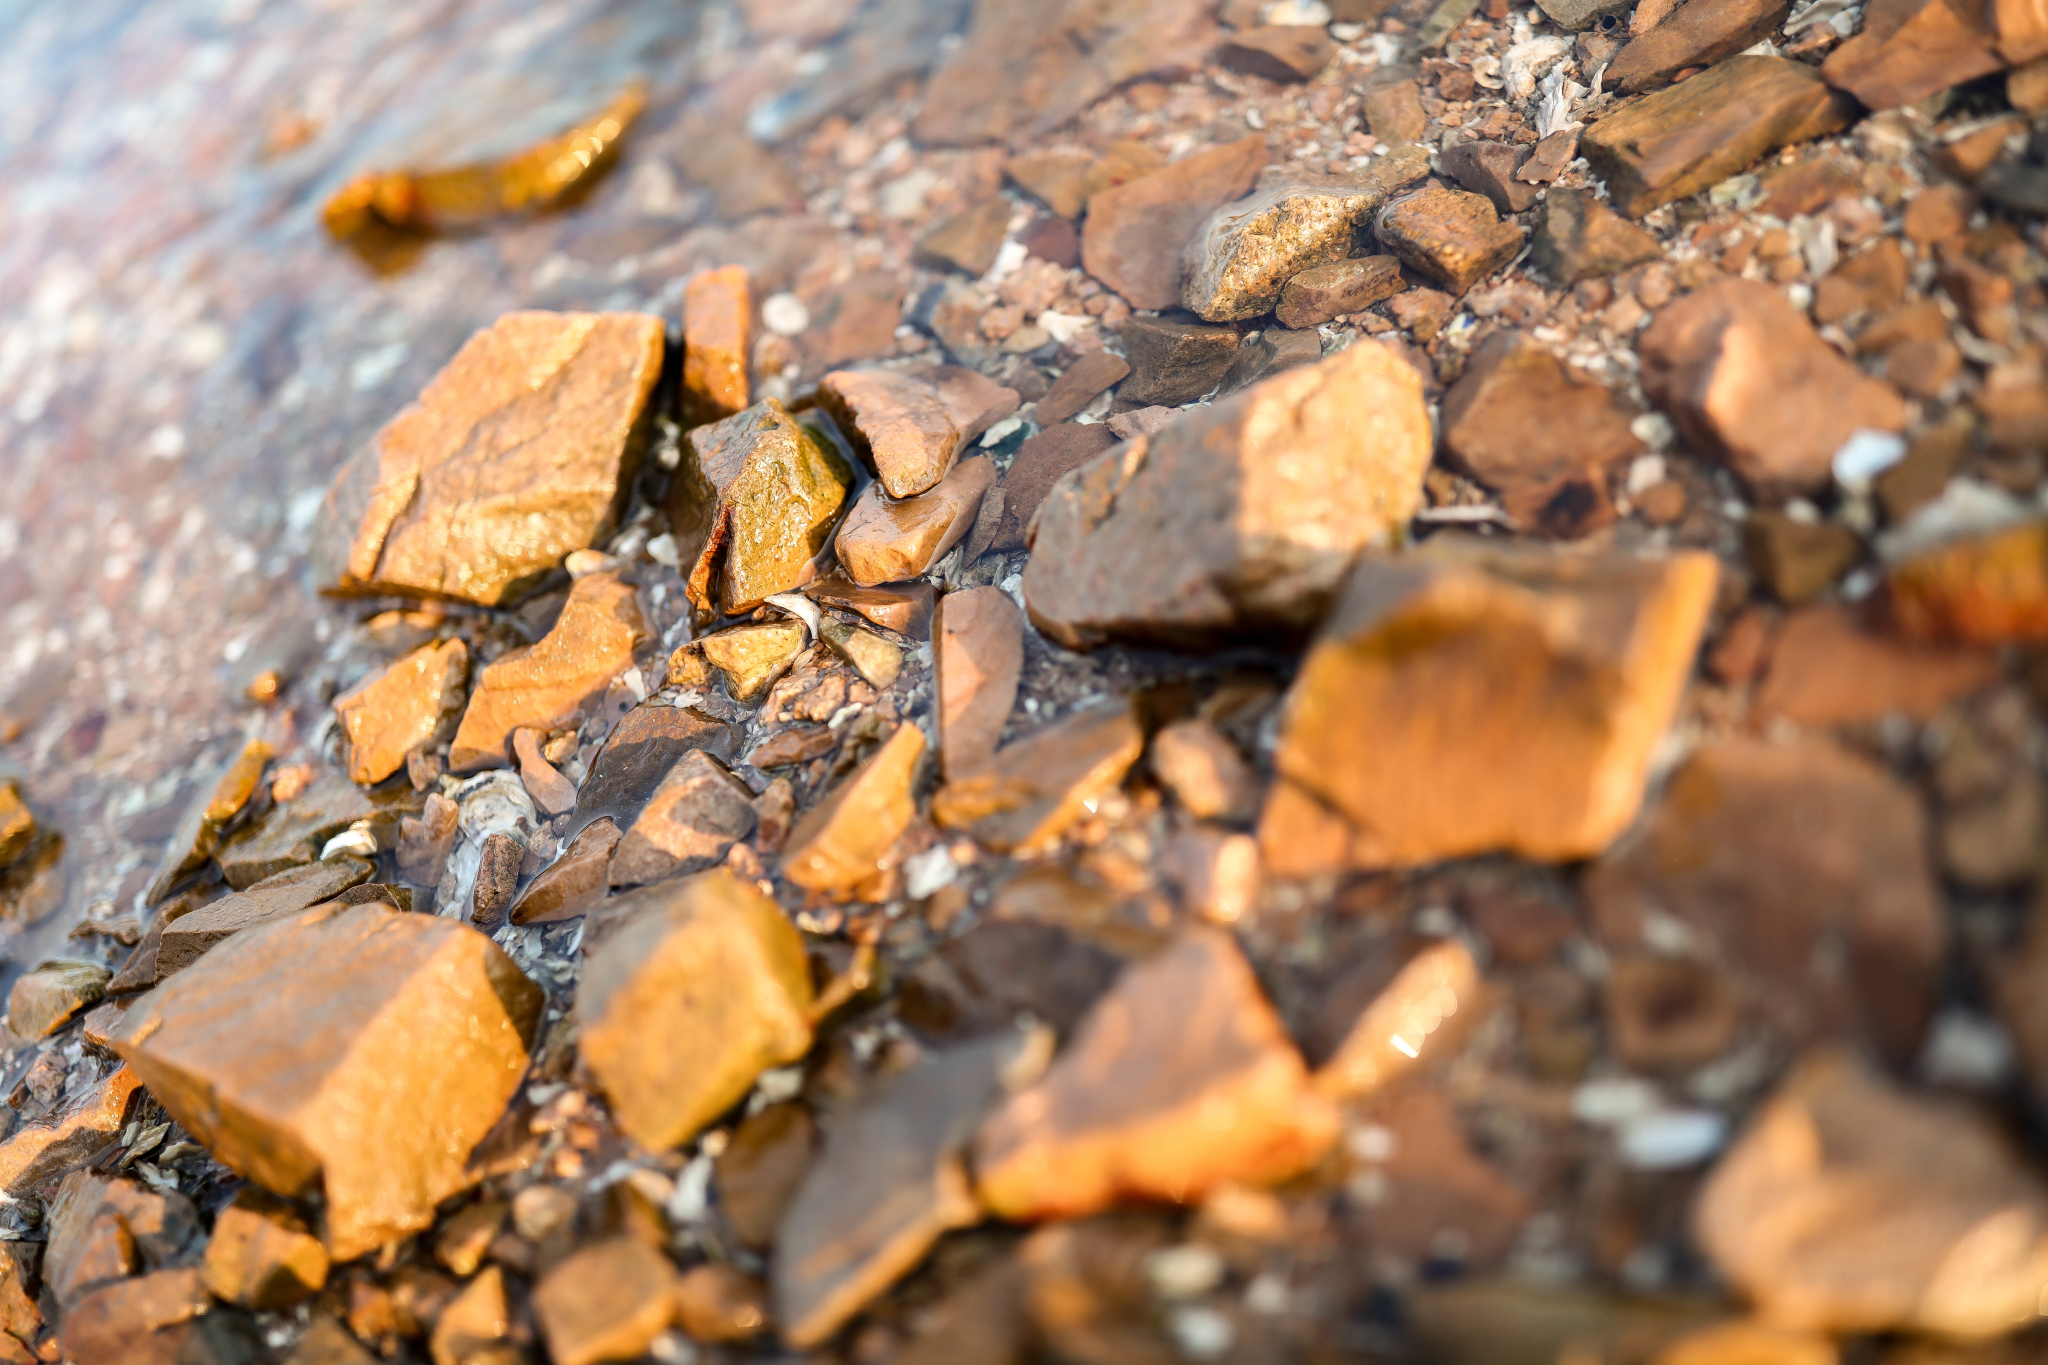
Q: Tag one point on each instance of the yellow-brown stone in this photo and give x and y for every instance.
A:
(39, 1154)
(17, 822)
(43, 1000)
(1982, 590)
(874, 658)
(1394, 1031)
(1038, 787)
(751, 657)
(609, 1301)
(415, 702)
(888, 540)
(198, 833)
(718, 344)
(900, 426)
(262, 1256)
(838, 846)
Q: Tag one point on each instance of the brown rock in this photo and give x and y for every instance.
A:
(1698, 33)
(17, 822)
(838, 847)
(574, 883)
(1550, 158)
(1804, 186)
(2026, 87)
(1067, 180)
(1749, 1343)
(1239, 519)
(1872, 281)
(547, 685)
(471, 1326)
(982, 1320)
(1797, 560)
(426, 840)
(128, 1322)
(37, 1155)
(1852, 1205)
(43, 1000)
(1453, 238)
(199, 830)
(751, 505)
(609, 1301)
(707, 958)
(639, 752)
(552, 793)
(1205, 772)
(798, 744)
(1077, 388)
(1180, 1078)
(296, 832)
(1037, 787)
(1825, 669)
(1438, 1190)
(327, 1342)
(1701, 131)
(973, 401)
(905, 608)
(1984, 590)
(1282, 52)
(901, 427)
(979, 659)
(1174, 360)
(262, 1256)
(887, 540)
(1272, 351)
(1129, 426)
(2022, 32)
(1773, 852)
(1746, 378)
(1518, 422)
(775, 808)
(695, 817)
(1910, 49)
(1050, 237)
(497, 879)
(1542, 672)
(1580, 238)
(1134, 234)
(874, 658)
(853, 321)
(101, 1230)
(293, 1052)
(718, 344)
(753, 657)
(1393, 111)
(1002, 970)
(1395, 1012)
(719, 1303)
(1489, 168)
(1670, 1013)
(969, 241)
(1938, 213)
(188, 937)
(760, 1169)
(1923, 369)
(1314, 296)
(466, 1235)
(523, 449)
(892, 1178)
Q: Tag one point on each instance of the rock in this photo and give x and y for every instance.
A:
(609, 1301)
(1002, 970)
(102, 1230)
(1489, 168)
(1174, 360)
(1588, 652)
(290, 1052)
(1753, 1342)
(129, 1321)
(1852, 1205)
(1205, 772)
(1871, 281)
(707, 958)
(1025, 68)
(17, 822)
(1393, 110)
(1775, 851)
(1453, 238)
(980, 657)
(574, 883)
(1987, 589)
(874, 658)
(497, 879)
(695, 817)
(751, 505)
(753, 657)
(466, 1236)
(758, 1173)
(1078, 387)
(426, 840)
(1066, 181)
(199, 830)
(1580, 238)
(262, 1256)
(853, 321)
(327, 1342)
(1323, 292)
(1133, 238)
(37, 1155)
(1551, 157)
(1746, 378)
(970, 240)
(1670, 1014)
(983, 1320)
(1271, 351)
(719, 1303)
(552, 793)
(892, 1178)
(1280, 52)
(1038, 787)
(1825, 669)
(296, 831)
(469, 1328)
(888, 540)
(1180, 1078)
(1423, 312)
(1129, 426)
(905, 608)
(718, 344)
(1699, 132)
(1518, 422)
(1698, 33)
(189, 937)
(1575, 15)
(638, 754)
(1797, 560)
(838, 846)
(1387, 1015)
(522, 450)
(1237, 263)
(900, 427)
(1438, 1192)
(548, 685)
(1216, 527)
(1910, 49)
(973, 401)
(798, 744)
(43, 1000)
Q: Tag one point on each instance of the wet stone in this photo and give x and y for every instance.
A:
(1273, 350)
(1079, 385)
(838, 846)
(296, 832)
(1174, 359)
(199, 831)
(327, 1342)
(414, 703)
(262, 1255)
(187, 938)
(1439, 1193)
(718, 344)
(761, 1168)
(552, 793)
(1699, 33)
(101, 1230)
(521, 451)
(638, 754)
(1000, 971)
(970, 240)
(1909, 49)
(798, 744)
(37, 1155)
(1134, 234)
(425, 841)
(1550, 158)
(980, 657)
(469, 1328)
(574, 883)
(1323, 292)
(899, 426)
(289, 1051)
(44, 999)
(972, 400)
(752, 657)
(707, 958)
(1281, 52)
(719, 1303)
(875, 659)
(609, 1301)
(1204, 771)
(1797, 560)
(497, 879)
(888, 540)
(1871, 281)
(1394, 1012)
(1036, 788)
(905, 608)
(1574, 15)
(1489, 168)
(1453, 238)
(694, 817)
(1980, 590)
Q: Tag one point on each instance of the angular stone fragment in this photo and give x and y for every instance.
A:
(522, 450)
(1002, 970)
(696, 815)
(969, 241)
(874, 658)
(1241, 518)
(101, 1230)
(1133, 238)
(497, 879)
(1393, 109)
(1701, 131)
(1670, 1013)
(1273, 350)
(1825, 669)
(718, 344)
(1280, 52)
(1453, 238)
(609, 1301)
(43, 1000)
(1489, 168)
(1067, 180)
(1870, 281)
(552, 793)
(1798, 560)
(1519, 423)
(262, 1256)
(1316, 295)
(1180, 1078)
(297, 1052)
(1910, 49)
(574, 883)
(751, 505)
(547, 685)
(720, 1303)
(1205, 772)
(1574, 15)
(761, 1169)
(1746, 378)
(973, 400)
(296, 832)
(188, 937)
(707, 958)
(1077, 388)
(1397, 1010)
(1807, 866)
(1580, 238)
(753, 657)
(1038, 787)
(327, 1342)
(838, 845)
(1550, 158)
(1698, 33)
(905, 608)
(1174, 360)
(472, 1325)
(426, 840)
(1988, 589)
(2022, 35)
(17, 822)
(38, 1155)
(1851, 1205)
(891, 1179)
(638, 754)
(980, 656)
(888, 540)
(198, 833)
(417, 701)
(898, 425)
(1532, 685)
(139, 1320)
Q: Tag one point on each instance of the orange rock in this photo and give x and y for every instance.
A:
(718, 344)
(1399, 1011)
(261, 1256)
(838, 846)
(547, 685)
(1434, 1183)
(1910, 49)
(17, 822)
(1827, 670)
(905, 608)
(43, 1000)
(1454, 238)
(1067, 180)
(1038, 787)
(38, 1155)
(609, 1301)
(1134, 234)
(980, 656)
(901, 427)
(417, 701)
(1986, 590)
(890, 540)
(1205, 772)
(198, 833)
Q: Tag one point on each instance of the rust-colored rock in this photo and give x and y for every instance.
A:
(1175, 359)
(44, 999)
(753, 657)
(547, 685)
(1326, 291)
(1393, 109)
(1533, 685)
(1133, 238)
(969, 240)
(296, 832)
(146, 1319)
(1239, 519)
(1038, 787)
(574, 883)
(695, 817)
(980, 655)
(199, 831)
(1746, 378)
(522, 450)
(1077, 388)
(1489, 168)
(417, 701)
(889, 540)
(1697, 34)
(17, 822)
(1287, 53)
(552, 793)
(1398, 1010)
(609, 1301)
(899, 426)
(718, 344)
(1454, 238)
(838, 846)
(297, 1052)
(1580, 238)
(1910, 49)
(1180, 1078)
(1670, 1014)
(1007, 512)
(37, 1155)
(102, 1229)
(1826, 669)
(720, 1303)
(188, 937)
(905, 608)
(473, 1324)
(262, 1256)
(1205, 772)
(1983, 590)
(707, 958)
(1066, 181)
(1871, 281)
(425, 841)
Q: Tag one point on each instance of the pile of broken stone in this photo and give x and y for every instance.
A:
(1322, 803)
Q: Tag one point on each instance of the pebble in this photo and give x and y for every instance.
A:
(891, 540)
(1320, 293)
(899, 427)
(1914, 51)
(262, 1255)
(1580, 238)
(1694, 35)
(608, 1301)
(695, 816)
(1977, 590)
(220, 800)
(1451, 237)
(718, 343)
(752, 657)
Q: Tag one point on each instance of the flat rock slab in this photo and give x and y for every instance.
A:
(37, 1155)
(198, 834)
(905, 608)
(609, 1301)
(695, 816)
(17, 822)
(980, 658)
(522, 450)
(44, 999)
(1323, 292)
(1274, 350)
(1007, 512)
(969, 240)
(1454, 238)
(1067, 180)
(837, 847)
(638, 754)
(1038, 787)
(902, 428)
(1078, 386)
(752, 657)
(297, 1052)
(1907, 51)
(1489, 168)
(1001, 970)
(1286, 53)
(1580, 238)
(188, 937)
(296, 832)
(1174, 359)
(1135, 232)
(1693, 35)
(414, 703)
(718, 344)
(1239, 519)
(1826, 668)
(573, 884)
(886, 539)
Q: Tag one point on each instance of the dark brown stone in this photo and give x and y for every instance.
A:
(1453, 238)
(1077, 388)
(185, 939)
(1550, 158)
(1872, 281)
(574, 883)
(1174, 359)
(1050, 237)
(1037, 787)
(198, 834)
(1067, 180)
(1580, 238)
(639, 753)
(1670, 1013)
(1133, 238)
(1271, 351)
(1698, 33)
(1910, 49)
(970, 240)
(758, 1173)
(1489, 168)
(1393, 111)
(797, 744)
(1038, 465)
(989, 977)
(1283, 52)
(1315, 296)
(497, 880)
(693, 819)
(296, 831)
(1797, 560)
